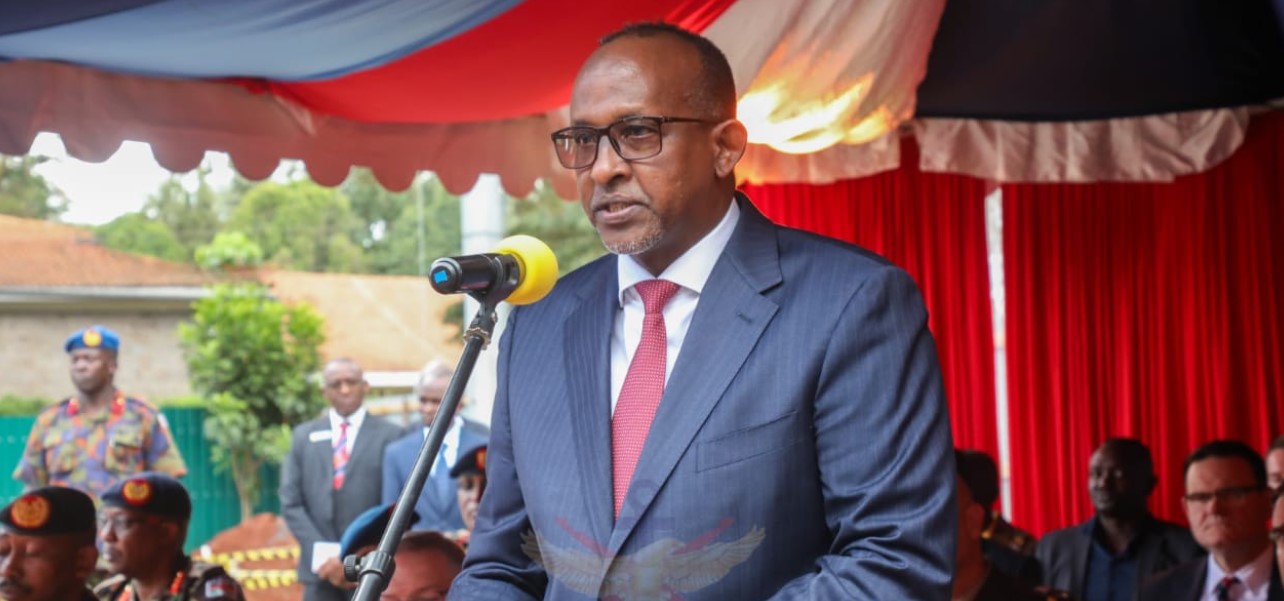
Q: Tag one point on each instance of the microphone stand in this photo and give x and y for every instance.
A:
(376, 569)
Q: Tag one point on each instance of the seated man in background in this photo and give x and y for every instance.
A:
(1275, 463)
(361, 537)
(144, 525)
(437, 507)
(1228, 506)
(1277, 534)
(47, 547)
(470, 480)
(974, 577)
(1008, 549)
(1109, 556)
(426, 562)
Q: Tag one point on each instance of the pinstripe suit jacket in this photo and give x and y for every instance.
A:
(801, 449)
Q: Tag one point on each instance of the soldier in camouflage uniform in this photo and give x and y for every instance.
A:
(143, 526)
(47, 546)
(92, 440)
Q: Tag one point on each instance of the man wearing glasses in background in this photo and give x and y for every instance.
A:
(724, 409)
(1228, 505)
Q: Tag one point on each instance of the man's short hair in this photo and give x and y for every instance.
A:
(432, 371)
(1277, 444)
(715, 89)
(1230, 449)
(1132, 450)
(980, 474)
(429, 540)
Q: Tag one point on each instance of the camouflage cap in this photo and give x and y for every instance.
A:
(93, 337)
(50, 510)
(473, 461)
(153, 493)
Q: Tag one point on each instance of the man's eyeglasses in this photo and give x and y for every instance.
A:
(1230, 494)
(1277, 535)
(633, 138)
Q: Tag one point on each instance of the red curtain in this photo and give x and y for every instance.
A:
(933, 226)
(1143, 310)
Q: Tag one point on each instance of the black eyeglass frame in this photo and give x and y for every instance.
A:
(566, 133)
(1230, 493)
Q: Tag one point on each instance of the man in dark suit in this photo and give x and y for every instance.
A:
(726, 409)
(1109, 556)
(1277, 533)
(1228, 505)
(332, 475)
(438, 506)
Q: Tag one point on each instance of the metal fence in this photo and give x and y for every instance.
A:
(215, 506)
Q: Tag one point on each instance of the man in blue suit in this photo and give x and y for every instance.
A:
(438, 505)
(726, 409)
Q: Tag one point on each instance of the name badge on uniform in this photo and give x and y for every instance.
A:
(320, 435)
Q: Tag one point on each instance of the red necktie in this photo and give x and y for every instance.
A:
(643, 387)
(1223, 588)
(341, 455)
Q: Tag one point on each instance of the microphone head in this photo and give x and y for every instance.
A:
(538, 264)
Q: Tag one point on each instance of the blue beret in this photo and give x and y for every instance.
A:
(153, 493)
(93, 337)
(368, 528)
(50, 510)
(472, 461)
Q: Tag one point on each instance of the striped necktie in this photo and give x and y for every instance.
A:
(341, 455)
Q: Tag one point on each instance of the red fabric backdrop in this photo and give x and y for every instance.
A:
(933, 226)
(1144, 310)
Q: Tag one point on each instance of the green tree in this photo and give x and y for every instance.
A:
(300, 225)
(250, 356)
(560, 224)
(25, 193)
(397, 249)
(229, 251)
(191, 215)
(136, 233)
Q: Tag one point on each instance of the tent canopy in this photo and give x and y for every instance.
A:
(1031, 91)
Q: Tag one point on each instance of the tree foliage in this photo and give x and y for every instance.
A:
(136, 233)
(300, 225)
(25, 193)
(250, 356)
(229, 251)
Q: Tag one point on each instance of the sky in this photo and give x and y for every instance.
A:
(99, 192)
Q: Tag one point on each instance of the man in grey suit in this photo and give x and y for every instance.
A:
(1109, 556)
(332, 474)
(726, 409)
(438, 505)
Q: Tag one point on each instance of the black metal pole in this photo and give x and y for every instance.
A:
(377, 567)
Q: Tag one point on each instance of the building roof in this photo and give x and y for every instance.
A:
(46, 254)
(386, 323)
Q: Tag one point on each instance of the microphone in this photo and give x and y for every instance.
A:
(522, 270)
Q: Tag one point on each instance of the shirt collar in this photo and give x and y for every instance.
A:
(692, 269)
(354, 420)
(1255, 575)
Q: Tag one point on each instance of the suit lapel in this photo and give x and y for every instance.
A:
(731, 305)
(587, 339)
(1079, 559)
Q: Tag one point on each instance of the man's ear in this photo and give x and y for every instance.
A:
(730, 139)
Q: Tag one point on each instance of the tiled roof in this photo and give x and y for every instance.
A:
(386, 323)
(37, 253)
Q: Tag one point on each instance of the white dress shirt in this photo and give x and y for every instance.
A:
(354, 424)
(449, 443)
(1254, 578)
(690, 272)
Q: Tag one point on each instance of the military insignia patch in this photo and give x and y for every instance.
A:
(136, 492)
(481, 459)
(30, 512)
(92, 338)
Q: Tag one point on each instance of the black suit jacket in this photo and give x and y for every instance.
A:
(1063, 554)
(1185, 582)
